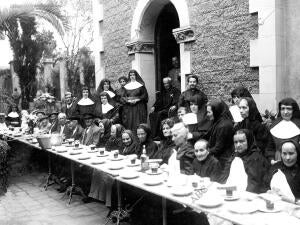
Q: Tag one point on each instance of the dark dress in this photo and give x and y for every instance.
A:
(135, 114)
(133, 148)
(82, 109)
(185, 97)
(113, 143)
(164, 101)
(164, 150)
(210, 167)
(292, 175)
(186, 156)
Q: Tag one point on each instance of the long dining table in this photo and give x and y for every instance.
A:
(243, 208)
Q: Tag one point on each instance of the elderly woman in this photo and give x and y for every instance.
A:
(252, 121)
(290, 167)
(185, 151)
(136, 95)
(166, 144)
(255, 165)
(105, 109)
(287, 124)
(145, 139)
(115, 140)
(130, 144)
(104, 129)
(205, 164)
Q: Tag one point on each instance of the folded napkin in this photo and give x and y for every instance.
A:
(280, 185)
(237, 175)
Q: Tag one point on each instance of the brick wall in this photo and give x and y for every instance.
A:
(220, 55)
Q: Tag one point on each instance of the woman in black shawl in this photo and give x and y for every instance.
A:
(145, 138)
(252, 121)
(135, 107)
(166, 144)
(256, 166)
(130, 144)
(287, 124)
(104, 126)
(115, 140)
(221, 132)
(121, 96)
(289, 165)
(105, 109)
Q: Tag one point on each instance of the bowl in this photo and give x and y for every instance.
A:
(44, 141)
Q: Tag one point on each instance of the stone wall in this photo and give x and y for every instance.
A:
(220, 54)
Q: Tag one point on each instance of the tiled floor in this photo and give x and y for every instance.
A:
(27, 203)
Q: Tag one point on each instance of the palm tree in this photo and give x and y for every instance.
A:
(26, 12)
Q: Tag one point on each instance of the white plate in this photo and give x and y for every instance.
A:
(61, 150)
(98, 162)
(243, 207)
(134, 165)
(84, 158)
(152, 181)
(296, 213)
(105, 154)
(210, 201)
(75, 153)
(129, 175)
(149, 172)
(92, 151)
(117, 159)
(115, 167)
(181, 191)
(17, 135)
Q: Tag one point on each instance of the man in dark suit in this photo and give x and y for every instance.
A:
(91, 133)
(74, 130)
(54, 122)
(166, 99)
(70, 104)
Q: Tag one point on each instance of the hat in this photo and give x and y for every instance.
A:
(74, 117)
(40, 111)
(88, 116)
(54, 112)
(43, 118)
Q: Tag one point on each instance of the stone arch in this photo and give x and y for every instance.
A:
(141, 45)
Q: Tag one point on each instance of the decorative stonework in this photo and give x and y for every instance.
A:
(140, 47)
(184, 34)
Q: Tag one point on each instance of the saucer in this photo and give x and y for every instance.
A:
(133, 165)
(231, 198)
(129, 175)
(243, 207)
(104, 155)
(92, 151)
(61, 150)
(149, 172)
(277, 208)
(75, 153)
(117, 159)
(84, 158)
(181, 191)
(115, 167)
(96, 162)
(151, 182)
(77, 148)
(210, 201)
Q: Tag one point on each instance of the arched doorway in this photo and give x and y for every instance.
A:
(165, 45)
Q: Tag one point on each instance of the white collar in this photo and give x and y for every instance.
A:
(13, 115)
(189, 118)
(110, 93)
(235, 112)
(85, 101)
(106, 107)
(285, 129)
(133, 85)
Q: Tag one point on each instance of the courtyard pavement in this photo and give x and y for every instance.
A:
(27, 203)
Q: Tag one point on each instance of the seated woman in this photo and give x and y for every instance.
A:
(115, 140)
(105, 110)
(255, 165)
(185, 151)
(220, 134)
(289, 166)
(236, 94)
(252, 121)
(199, 129)
(166, 144)
(180, 113)
(104, 128)
(145, 139)
(44, 125)
(205, 164)
(130, 144)
(105, 86)
(287, 124)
